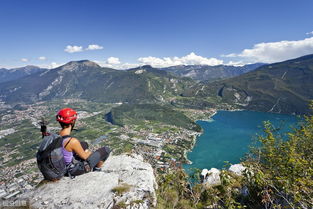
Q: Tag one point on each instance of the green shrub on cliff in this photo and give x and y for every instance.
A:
(175, 191)
(279, 174)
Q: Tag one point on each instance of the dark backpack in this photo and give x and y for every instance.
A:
(50, 159)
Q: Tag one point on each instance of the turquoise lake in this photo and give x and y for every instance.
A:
(228, 135)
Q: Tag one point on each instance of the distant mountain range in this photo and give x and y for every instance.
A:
(196, 72)
(210, 73)
(285, 87)
(16, 73)
(87, 80)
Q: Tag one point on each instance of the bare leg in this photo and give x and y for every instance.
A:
(99, 164)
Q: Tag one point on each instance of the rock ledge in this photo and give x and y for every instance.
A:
(124, 180)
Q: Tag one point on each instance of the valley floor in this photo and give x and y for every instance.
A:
(163, 146)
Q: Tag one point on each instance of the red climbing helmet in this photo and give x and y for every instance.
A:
(66, 115)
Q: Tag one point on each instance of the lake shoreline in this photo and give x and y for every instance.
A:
(277, 118)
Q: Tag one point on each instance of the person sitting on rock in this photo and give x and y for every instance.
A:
(78, 158)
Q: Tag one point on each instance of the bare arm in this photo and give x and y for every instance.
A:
(75, 146)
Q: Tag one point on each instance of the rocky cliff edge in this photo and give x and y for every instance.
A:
(124, 181)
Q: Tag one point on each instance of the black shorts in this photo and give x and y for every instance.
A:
(80, 166)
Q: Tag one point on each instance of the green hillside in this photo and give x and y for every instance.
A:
(139, 113)
(284, 87)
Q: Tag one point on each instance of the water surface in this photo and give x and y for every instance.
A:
(228, 134)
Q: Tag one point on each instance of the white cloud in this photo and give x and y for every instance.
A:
(113, 61)
(94, 47)
(24, 60)
(276, 51)
(42, 58)
(123, 66)
(73, 49)
(236, 63)
(51, 65)
(309, 33)
(54, 65)
(116, 64)
(190, 59)
(128, 65)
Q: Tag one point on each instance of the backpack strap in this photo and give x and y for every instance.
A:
(65, 137)
(67, 142)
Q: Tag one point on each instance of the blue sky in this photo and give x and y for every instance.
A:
(125, 33)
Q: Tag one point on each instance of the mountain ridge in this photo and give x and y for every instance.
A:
(17, 73)
(87, 80)
(210, 73)
(284, 87)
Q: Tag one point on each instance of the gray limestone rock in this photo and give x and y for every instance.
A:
(212, 177)
(124, 180)
(237, 169)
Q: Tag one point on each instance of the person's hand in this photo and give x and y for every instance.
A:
(87, 151)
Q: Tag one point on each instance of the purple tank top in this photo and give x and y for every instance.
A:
(68, 156)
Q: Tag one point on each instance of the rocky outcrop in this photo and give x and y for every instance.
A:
(212, 177)
(203, 174)
(237, 169)
(125, 181)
